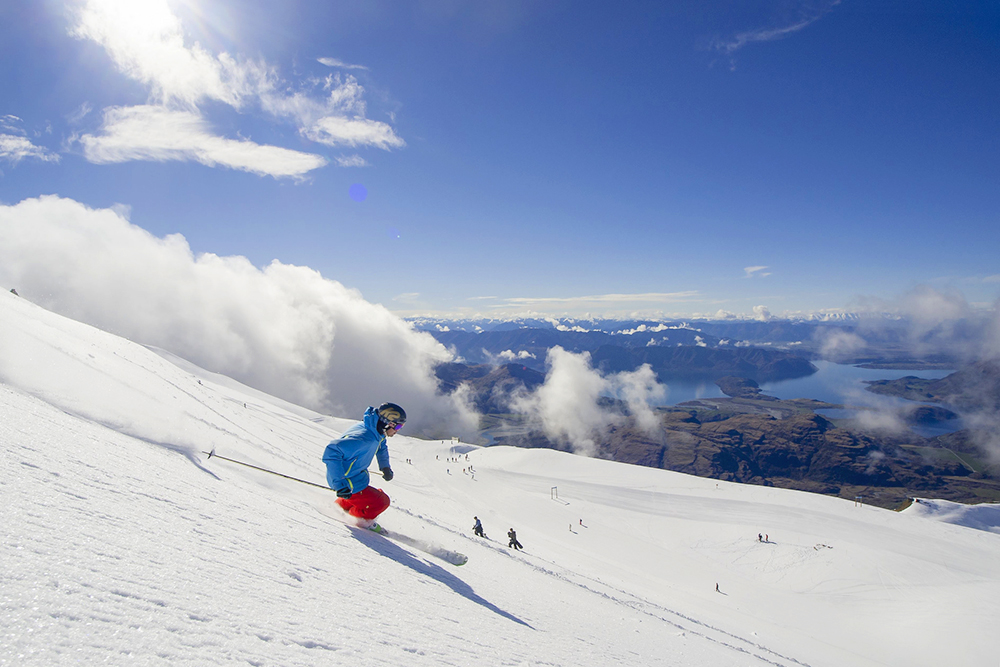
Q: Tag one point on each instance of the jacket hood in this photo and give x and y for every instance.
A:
(371, 419)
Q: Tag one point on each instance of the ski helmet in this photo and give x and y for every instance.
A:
(390, 412)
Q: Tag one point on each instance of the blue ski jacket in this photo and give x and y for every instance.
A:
(347, 458)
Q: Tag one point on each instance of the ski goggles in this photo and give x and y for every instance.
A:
(395, 426)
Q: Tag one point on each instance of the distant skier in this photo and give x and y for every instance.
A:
(513, 540)
(478, 527)
(347, 459)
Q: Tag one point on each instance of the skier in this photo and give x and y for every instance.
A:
(513, 540)
(478, 527)
(348, 457)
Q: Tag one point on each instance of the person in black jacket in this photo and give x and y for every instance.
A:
(513, 540)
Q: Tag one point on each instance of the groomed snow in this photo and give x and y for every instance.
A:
(124, 544)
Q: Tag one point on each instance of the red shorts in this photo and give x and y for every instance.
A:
(365, 504)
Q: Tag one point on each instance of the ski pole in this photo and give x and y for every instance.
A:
(248, 465)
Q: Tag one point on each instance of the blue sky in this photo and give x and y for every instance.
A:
(655, 158)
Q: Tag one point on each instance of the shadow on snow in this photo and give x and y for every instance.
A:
(397, 553)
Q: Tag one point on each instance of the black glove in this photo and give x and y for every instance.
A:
(344, 493)
(387, 474)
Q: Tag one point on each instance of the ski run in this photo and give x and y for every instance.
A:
(123, 544)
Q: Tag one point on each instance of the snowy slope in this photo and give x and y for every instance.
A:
(124, 544)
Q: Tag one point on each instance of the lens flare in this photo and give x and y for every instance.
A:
(358, 192)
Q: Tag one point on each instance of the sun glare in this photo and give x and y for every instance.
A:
(137, 19)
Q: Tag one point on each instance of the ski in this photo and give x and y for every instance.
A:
(429, 548)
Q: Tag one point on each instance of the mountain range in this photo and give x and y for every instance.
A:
(880, 340)
(755, 438)
(973, 389)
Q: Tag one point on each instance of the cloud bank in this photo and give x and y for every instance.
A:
(283, 329)
(932, 321)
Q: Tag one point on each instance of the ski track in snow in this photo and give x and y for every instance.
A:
(672, 617)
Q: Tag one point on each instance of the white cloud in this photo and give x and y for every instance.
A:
(147, 43)
(351, 161)
(11, 123)
(282, 329)
(991, 345)
(761, 35)
(333, 62)
(757, 271)
(937, 321)
(931, 306)
(158, 134)
(510, 355)
(640, 389)
(339, 130)
(643, 328)
(839, 345)
(875, 412)
(81, 112)
(761, 313)
(336, 120)
(802, 15)
(14, 148)
(566, 404)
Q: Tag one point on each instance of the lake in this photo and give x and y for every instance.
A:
(840, 383)
(832, 383)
